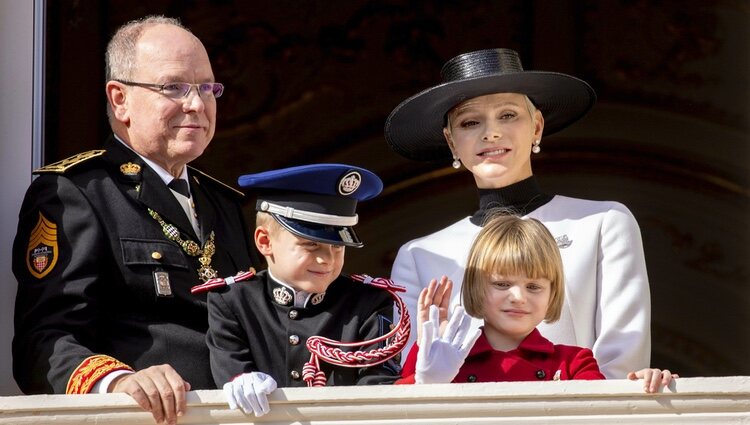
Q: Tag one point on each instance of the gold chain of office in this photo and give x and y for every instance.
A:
(191, 248)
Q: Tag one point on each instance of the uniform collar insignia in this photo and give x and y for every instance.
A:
(317, 298)
(130, 169)
(282, 295)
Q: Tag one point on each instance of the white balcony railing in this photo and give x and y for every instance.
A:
(688, 400)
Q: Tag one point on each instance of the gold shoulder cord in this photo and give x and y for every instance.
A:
(205, 272)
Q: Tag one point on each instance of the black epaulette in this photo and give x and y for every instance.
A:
(221, 184)
(60, 167)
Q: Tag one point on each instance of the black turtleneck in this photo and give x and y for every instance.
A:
(519, 198)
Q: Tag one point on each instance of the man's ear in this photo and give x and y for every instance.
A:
(117, 96)
(263, 240)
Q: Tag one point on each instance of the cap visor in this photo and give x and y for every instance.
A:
(334, 235)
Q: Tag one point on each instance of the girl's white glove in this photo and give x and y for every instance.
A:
(440, 357)
(249, 391)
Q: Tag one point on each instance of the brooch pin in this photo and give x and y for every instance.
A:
(563, 241)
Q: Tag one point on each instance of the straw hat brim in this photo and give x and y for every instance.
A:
(414, 129)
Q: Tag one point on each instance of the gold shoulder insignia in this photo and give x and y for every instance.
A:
(235, 191)
(91, 370)
(60, 167)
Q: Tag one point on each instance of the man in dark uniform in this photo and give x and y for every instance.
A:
(259, 329)
(106, 252)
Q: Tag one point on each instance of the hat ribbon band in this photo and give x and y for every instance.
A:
(312, 217)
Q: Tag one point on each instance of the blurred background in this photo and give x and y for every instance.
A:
(313, 81)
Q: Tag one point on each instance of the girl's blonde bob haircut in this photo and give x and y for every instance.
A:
(510, 245)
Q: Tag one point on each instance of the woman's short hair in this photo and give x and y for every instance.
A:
(511, 245)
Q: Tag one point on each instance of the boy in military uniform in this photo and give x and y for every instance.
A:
(258, 328)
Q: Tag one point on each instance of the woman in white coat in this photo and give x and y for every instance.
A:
(489, 115)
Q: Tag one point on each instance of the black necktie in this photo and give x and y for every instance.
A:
(180, 186)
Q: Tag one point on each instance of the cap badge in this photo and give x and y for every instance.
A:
(350, 183)
(130, 169)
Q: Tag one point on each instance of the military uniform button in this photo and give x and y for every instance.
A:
(294, 374)
(540, 374)
(472, 378)
(293, 314)
(294, 340)
(156, 255)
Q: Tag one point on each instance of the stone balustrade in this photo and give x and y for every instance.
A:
(688, 400)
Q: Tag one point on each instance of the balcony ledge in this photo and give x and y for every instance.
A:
(688, 400)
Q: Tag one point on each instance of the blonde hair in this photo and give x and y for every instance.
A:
(266, 220)
(512, 245)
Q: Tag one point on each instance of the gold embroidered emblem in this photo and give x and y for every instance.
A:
(41, 254)
(130, 169)
(65, 164)
(92, 369)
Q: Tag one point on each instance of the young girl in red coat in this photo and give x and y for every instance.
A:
(513, 281)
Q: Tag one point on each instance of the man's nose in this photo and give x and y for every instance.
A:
(193, 101)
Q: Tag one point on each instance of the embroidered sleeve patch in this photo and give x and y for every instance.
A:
(41, 255)
(83, 379)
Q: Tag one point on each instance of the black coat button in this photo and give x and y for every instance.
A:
(540, 374)
(472, 378)
(293, 314)
(294, 374)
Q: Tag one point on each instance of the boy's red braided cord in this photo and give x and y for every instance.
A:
(325, 349)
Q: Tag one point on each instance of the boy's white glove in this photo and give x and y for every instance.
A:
(440, 357)
(249, 391)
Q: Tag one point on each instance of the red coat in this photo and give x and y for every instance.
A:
(535, 359)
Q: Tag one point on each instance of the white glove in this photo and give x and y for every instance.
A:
(440, 358)
(249, 391)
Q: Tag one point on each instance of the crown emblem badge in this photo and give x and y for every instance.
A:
(130, 169)
(350, 183)
(282, 296)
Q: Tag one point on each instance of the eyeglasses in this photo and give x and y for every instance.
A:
(179, 90)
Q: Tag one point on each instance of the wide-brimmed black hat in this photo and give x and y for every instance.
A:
(414, 129)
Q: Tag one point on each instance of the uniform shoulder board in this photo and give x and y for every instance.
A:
(219, 282)
(61, 167)
(221, 184)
